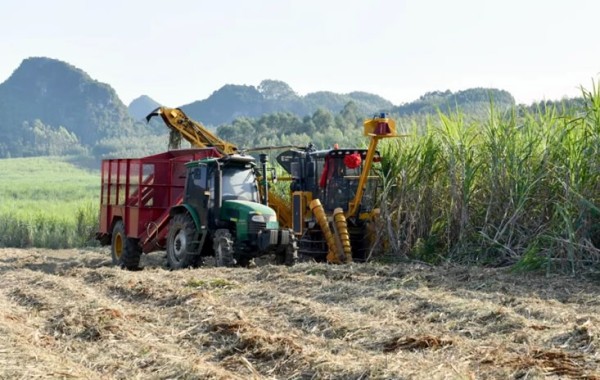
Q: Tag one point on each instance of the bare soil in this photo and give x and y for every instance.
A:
(70, 314)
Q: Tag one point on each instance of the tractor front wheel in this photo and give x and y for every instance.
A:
(182, 231)
(289, 257)
(223, 247)
(125, 252)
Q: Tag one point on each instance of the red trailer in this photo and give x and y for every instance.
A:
(137, 195)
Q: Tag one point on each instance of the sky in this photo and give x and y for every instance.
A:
(180, 51)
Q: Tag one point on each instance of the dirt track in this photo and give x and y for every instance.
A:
(69, 314)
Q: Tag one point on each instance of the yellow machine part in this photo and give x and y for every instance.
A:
(197, 134)
(377, 128)
(340, 226)
(319, 213)
(282, 209)
(380, 126)
(281, 206)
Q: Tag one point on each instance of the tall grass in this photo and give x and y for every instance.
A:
(520, 188)
(47, 202)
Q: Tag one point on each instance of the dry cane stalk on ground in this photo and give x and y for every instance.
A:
(68, 314)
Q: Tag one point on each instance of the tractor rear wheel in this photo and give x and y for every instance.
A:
(223, 247)
(182, 232)
(125, 252)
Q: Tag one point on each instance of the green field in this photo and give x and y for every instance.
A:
(47, 202)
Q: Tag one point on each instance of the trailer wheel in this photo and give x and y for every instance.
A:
(181, 232)
(223, 246)
(290, 256)
(125, 252)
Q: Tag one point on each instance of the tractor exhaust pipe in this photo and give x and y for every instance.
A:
(218, 194)
(265, 183)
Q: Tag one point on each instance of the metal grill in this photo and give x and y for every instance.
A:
(256, 226)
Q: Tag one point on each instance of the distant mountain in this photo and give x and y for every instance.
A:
(51, 107)
(140, 107)
(474, 100)
(234, 101)
(46, 97)
(563, 106)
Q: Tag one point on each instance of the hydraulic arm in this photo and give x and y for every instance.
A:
(194, 132)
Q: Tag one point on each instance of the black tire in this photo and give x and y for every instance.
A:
(361, 244)
(223, 247)
(125, 252)
(246, 262)
(182, 230)
(290, 256)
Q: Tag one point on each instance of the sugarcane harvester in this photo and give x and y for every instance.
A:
(334, 195)
(333, 192)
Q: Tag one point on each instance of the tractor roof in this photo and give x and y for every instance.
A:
(229, 159)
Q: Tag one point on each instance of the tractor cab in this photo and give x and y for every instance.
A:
(224, 193)
(221, 179)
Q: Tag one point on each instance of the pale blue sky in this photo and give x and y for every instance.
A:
(181, 51)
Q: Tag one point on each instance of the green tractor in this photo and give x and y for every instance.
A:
(222, 215)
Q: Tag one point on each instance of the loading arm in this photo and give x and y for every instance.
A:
(376, 128)
(197, 134)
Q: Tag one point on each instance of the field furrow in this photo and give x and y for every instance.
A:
(69, 314)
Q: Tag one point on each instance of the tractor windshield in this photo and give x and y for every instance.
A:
(239, 183)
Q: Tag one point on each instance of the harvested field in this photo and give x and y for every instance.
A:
(69, 314)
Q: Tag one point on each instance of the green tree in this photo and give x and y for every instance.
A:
(276, 90)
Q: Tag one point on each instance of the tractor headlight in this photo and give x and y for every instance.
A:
(258, 218)
(272, 223)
